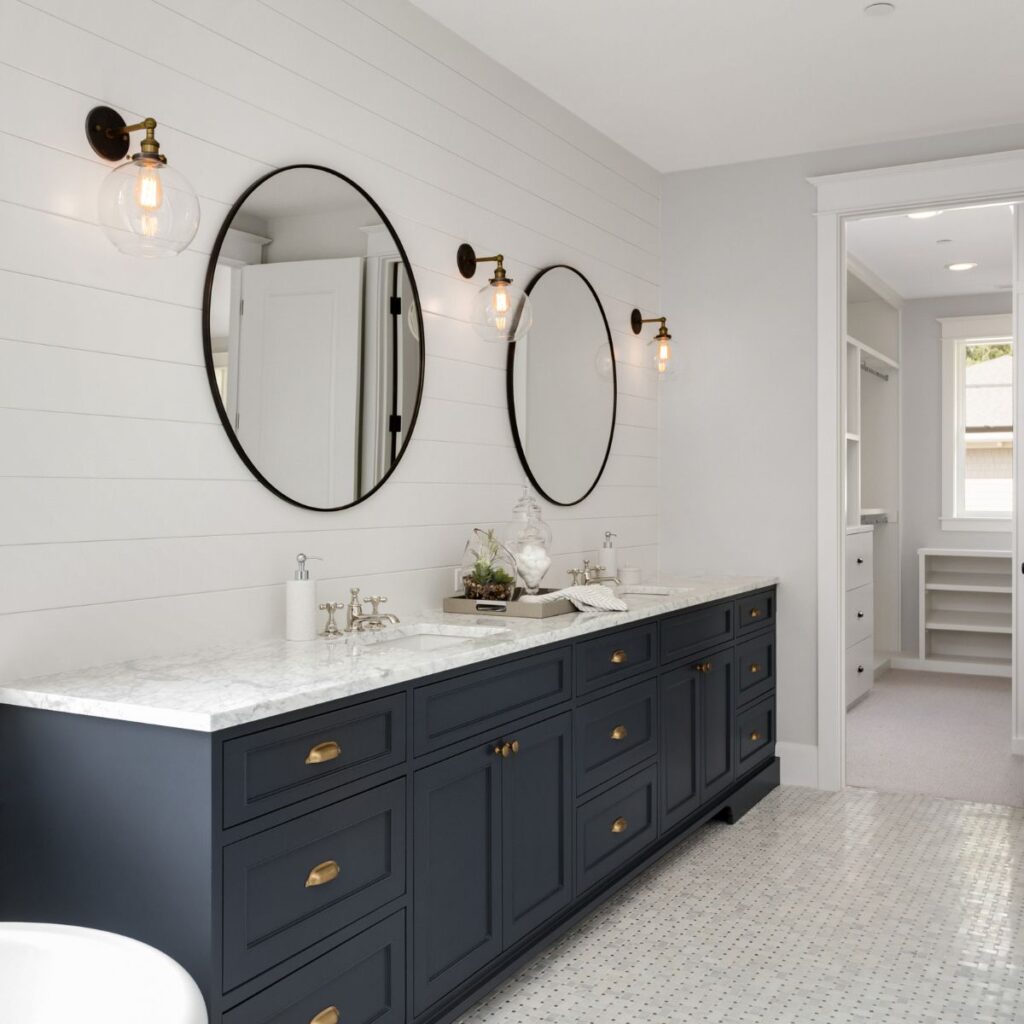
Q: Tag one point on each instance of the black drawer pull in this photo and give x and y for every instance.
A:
(328, 1016)
(860, 668)
(860, 561)
(323, 873)
(619, 825)
(329, 751)
(860, 615)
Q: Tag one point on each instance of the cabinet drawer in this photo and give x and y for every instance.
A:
(277, 767)
(291, 886)
(615, 733)
(859, 558)
(615, 826)
(860, 614)
(617, 655)
(755, 739)
(755, 611)
(755, 668)
(458, 708)
(699, 629)
(363, 979)
(860, 670)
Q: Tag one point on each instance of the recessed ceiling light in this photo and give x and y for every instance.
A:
(879, 10)
(924, 214)
(960, 266)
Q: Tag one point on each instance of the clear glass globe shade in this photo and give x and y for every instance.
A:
(148, 209)
(503, 313)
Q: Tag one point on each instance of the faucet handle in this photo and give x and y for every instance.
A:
(376, 602)
(331, 629)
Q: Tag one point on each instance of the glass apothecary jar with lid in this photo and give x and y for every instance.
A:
(528, 537)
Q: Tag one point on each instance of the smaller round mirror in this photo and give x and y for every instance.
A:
(562, 387)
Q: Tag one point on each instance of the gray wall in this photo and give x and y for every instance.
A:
(921, 373)
(738, 422)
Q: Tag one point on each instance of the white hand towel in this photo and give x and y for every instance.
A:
(593, 597)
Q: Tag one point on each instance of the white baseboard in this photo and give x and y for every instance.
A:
(961, 667)
(799, 764)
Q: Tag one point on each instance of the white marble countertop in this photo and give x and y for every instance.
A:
(220, 687)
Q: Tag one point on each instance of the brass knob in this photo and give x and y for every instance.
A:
(619, 657)
(323, 873)
(503, 749)
(322, 752)
(754, 737)
(328, 1016)
(755, 613)
(619, 825)
(704, 666)
(755, 668)
(515, 746)
(619, 732)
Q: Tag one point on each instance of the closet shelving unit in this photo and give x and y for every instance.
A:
(873, 443)
(965, 610)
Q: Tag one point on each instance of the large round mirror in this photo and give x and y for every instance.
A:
(314, 337)
(562, 387)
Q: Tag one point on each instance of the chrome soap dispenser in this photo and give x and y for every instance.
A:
(300, 602)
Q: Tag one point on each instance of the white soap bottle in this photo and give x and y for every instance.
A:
(300, 602)
(609, 555)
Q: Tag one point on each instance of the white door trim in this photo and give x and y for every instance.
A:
(989, 178)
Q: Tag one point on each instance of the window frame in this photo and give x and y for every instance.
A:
(957, 334)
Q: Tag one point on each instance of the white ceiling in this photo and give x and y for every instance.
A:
(692, 83)
(909, 257)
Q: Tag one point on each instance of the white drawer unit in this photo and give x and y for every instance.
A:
(860, 614)
(860, 671)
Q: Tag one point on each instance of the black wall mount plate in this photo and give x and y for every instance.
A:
(103, 127)
(636, 321)
(466, 258)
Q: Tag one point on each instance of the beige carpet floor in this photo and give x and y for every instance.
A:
(940, 735)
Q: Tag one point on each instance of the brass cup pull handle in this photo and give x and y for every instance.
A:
(754, 737)
(328, 1016)
(619, 657)
(323, 873)
(755, 668)
(620, 732)
(619, 825)
(329, 751)
(755, 613)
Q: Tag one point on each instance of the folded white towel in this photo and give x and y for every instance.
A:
(593, 597)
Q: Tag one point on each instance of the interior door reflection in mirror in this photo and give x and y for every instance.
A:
(314, 337)
(562, 387)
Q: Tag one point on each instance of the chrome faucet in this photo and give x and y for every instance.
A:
(591, 574)
(358, 621)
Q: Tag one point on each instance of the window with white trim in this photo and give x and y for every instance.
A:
(977, 422)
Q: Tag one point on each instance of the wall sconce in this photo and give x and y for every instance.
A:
(661, 340)
(146, 208)
(501, 313)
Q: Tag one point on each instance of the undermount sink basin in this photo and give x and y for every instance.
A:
(425, 636)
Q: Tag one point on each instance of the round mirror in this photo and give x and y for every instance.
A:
(314, 337)
(562, 387)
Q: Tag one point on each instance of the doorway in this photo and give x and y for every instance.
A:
(928, 381)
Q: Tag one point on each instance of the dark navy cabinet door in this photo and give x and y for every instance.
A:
(717, 735)
(457, 871)
(536, 801)
(679, 712)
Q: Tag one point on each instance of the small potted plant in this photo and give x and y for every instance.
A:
(488, 568)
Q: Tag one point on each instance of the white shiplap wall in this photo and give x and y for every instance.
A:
(127, 524)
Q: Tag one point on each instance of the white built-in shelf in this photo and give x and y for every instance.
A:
(969, 582)
(962, 621)
(872, 357)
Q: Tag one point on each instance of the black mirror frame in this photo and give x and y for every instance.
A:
(510, 393)
(208, 342)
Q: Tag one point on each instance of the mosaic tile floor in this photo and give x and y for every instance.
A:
(832, 908)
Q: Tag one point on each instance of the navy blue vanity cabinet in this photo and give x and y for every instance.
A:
(680, 756)
(716, 703)
(493, 835)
